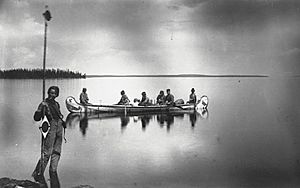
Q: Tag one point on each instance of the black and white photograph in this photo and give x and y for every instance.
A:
(149, 93)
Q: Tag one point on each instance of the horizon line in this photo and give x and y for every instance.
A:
(177, 75)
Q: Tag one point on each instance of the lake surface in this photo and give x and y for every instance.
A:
(250, 136)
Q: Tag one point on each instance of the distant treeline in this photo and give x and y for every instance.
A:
(38, 74)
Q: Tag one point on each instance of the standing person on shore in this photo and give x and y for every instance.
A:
(124, 99)
(160, 99)
(83, 98)
(169, 100)
(193, 97)
(51, 147)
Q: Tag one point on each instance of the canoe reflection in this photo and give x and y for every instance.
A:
(163, 119)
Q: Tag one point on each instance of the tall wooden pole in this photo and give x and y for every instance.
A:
(47, 17)
(44, 58)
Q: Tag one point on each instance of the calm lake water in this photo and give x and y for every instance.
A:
(250, 136)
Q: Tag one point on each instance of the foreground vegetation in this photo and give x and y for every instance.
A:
(38, 74)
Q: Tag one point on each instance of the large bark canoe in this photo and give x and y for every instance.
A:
(74, 107)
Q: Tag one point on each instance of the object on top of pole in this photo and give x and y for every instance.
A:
(47, 17)
(47, 14)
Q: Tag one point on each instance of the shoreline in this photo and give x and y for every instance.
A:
(14, 183)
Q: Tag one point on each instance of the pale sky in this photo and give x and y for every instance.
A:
(153, 36)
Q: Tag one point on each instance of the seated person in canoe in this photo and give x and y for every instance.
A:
(83, 98)
(124, 99)
(193, 97)
(135, 102)
(145, 101)
(160, 99)
(169, 100)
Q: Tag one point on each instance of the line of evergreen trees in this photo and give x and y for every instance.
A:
(38, 74)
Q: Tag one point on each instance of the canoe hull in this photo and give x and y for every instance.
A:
(74, 107)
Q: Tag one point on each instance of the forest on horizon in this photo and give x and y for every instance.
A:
(39, 74)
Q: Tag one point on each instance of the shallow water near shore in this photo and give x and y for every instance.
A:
(248, 138)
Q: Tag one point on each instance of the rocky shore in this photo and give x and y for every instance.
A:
(13, 183)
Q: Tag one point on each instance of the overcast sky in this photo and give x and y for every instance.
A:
(153, 36)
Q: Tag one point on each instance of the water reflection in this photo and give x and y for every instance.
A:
(124, 122)
(145, 120)
(193, 119)
(164, 120)
(83, 124)
(203, 113)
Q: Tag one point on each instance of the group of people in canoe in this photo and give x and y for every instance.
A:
(161, 99)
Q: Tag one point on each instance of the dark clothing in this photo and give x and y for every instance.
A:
(160, 99)
(169, 100)
(83, 98)
(51, 144)
(193, 98)
(124, 100)
(145, 101)
(52, 111)
(51, 150)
